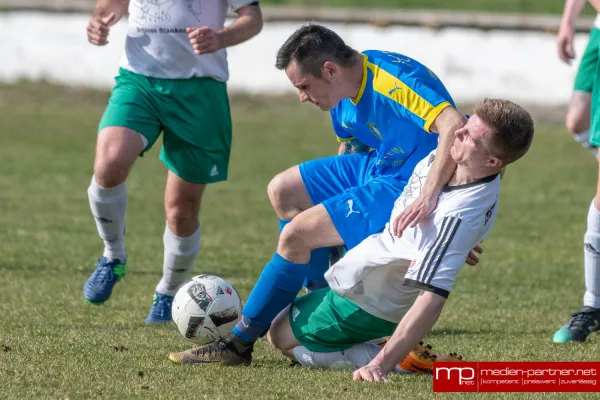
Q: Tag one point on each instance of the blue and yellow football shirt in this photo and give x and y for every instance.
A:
(398, 101)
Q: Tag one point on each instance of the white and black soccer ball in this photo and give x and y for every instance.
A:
(206, 308)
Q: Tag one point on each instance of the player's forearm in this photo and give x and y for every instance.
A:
(352, 146)
(414, 326)
(571, 11)
(119, 7)
(247, 25)
(446, 124)
(595, 4)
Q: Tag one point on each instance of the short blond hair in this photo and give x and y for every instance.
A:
(512, 126)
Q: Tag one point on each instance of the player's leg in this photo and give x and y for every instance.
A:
(578, 115)
(314, 228)
(197, 143)
(577, 120)
(128, 127)
(280, 333)
(587, 319)
(346, 218)
(181, 241)
(325, 330)
(308, 184)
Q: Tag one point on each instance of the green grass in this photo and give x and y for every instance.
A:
(506, 6)
(54, 346)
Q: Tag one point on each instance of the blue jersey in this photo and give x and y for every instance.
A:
(399, 99)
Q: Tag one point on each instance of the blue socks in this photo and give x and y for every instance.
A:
(319, 263)
(277, 286)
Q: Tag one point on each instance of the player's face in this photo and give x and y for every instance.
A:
(319, 91)
(472, 143)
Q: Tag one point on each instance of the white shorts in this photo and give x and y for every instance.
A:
(372, 276)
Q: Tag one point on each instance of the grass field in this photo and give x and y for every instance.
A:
(507, 6)
(54, 346)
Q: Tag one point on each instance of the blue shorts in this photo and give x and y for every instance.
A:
(358, 200)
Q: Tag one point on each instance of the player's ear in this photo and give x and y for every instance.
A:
(494, 162)
(330, 69)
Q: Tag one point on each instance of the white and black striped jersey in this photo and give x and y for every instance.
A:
(383, 273)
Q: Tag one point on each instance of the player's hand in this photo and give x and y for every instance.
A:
(564, 44)
(416, 212)
(99, 27)
(370, 373)
(204, 40)
(472, 259)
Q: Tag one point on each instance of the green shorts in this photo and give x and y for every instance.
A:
(192, 113)
(324, 321)
(595, 106)
(586, 73)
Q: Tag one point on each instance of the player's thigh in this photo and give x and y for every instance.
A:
(363, 210)
(197, 130)
(329, 176)
(288, 193)
(311, 228)
(132, 106)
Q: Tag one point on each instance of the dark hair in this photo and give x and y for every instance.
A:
(512, 125)
(311, 46)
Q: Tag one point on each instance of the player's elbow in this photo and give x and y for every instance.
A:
(254, 17)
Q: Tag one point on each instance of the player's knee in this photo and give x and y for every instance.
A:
(279, 197)
(576, 122)
(294, 236)
(110, 171)
(277, 332)
(181, 217)
(116, 152)
(272, 338)
(282, 191)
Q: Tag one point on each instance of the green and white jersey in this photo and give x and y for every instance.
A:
(157, 43)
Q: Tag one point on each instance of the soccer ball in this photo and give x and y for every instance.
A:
(206, 308)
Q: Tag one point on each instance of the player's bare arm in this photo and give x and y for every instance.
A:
(416, 323)
(446, 124)
(595, 4)
(566, 32)
(353, 146)
(248, 24)
(107, 13)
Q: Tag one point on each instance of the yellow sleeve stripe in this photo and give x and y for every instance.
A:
(393, 88)
(363, 83)
(344, 139)
(434, 113)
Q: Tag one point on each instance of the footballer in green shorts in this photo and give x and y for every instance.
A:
(172, 80)
(586, 320)
(577, 119)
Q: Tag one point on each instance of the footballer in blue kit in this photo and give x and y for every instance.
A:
(397, 102)
(389, 111)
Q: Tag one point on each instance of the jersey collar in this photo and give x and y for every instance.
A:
(476, 182)
(363, 83)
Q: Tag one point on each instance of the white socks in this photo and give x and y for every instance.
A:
(591, 255)
(583, 138)
(353, 358)
(180, 253)
(108, 206)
